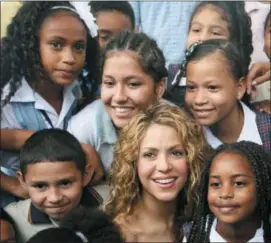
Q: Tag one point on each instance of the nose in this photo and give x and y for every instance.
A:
(200, 97)
(226, 192)
(120, 96)
(163, 164)
(203, 36)
(68, 56)
(54, 196)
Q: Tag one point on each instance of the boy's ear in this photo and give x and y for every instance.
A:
(160, 88)
(88, 175)
(241, 88)
(20, 177)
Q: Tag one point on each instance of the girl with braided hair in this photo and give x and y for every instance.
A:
(48, 54)
(235, 192)
(226, 20)
(216, 95)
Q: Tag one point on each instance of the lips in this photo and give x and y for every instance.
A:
(202, 113)
(228, 208)
(123, 112)
(66, 74)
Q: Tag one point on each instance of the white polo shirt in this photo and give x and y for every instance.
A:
(249, 131)
(26, 94)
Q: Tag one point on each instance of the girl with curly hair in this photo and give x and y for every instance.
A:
(49, 52)
(235, 194)
(157, 163)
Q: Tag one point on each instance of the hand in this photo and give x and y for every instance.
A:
(263, 106)
(93, 159)
(258, 74)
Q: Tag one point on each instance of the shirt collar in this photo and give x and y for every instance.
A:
(106, 128)
(90, 198)
(249, 131)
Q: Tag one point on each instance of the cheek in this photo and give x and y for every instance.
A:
(144, 169)
(181, 167)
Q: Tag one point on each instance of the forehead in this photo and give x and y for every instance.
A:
(51, 171)
(64, 24)
(230, 163)
(113, 20)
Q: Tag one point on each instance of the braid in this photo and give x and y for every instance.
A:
(20, 48)
(150, 55)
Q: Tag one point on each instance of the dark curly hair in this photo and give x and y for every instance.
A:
(20, 48)
(259, 160)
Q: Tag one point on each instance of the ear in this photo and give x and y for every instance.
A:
(88, 175)
(160, 88)
(241, 88)
(20, 177)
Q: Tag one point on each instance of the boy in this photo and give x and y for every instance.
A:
(112, 17)
(53, 171)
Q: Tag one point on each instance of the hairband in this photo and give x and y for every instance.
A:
(83, 10)
(81, 236)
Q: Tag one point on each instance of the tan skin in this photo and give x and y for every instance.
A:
(232, 197)
(62, 50)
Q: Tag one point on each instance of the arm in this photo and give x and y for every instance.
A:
(258, 74)
(13, 186)
(14, 139)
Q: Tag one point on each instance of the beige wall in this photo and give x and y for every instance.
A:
(8, 10)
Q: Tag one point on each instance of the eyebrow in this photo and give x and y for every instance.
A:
(177, 146)
(126, 78)
(233, 176)
(53, 37)
(212, 25)
(103, 31)
(56, 182)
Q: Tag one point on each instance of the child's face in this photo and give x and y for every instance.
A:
(63, 43)
(111, 23)
(126, 88)
(207, 24)
(267, 38)
(55, 188)
(212, 91)
(232, 188)
(162, 164)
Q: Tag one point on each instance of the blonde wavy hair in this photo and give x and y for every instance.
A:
(125, 186)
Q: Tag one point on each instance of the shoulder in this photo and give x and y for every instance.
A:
(16, 207)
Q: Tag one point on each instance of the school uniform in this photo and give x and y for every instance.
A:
(256, 128)
(28, 110)
(216, 237)
(28, 220)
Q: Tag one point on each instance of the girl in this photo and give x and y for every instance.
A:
(213, 20)
(215, 72)
(133, 77)
(42, 64)
(156, 165)
(236, 196)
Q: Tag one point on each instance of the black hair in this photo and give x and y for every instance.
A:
(120, 6)
(151, 58)
(94, 224)
(268, 17)
(56, 235)
(52, 145)
(260, 161)
(20, 48)
(230, 52)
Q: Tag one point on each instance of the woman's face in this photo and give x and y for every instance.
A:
(126, 88)
(207, 24)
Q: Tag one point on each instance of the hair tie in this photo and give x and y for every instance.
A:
(81, 236)
(83, 10)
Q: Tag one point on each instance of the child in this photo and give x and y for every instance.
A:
(112, 17)
(213, 20)
(133, 77)
(42, 64)
(263, 98)
(81, 225)
(235, 196)
(216, 86)
(157, 163)
(53, 170)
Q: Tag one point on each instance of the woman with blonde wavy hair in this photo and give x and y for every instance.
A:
(157, 163)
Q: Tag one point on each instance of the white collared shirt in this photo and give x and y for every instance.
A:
(216, 237)
(26, 94)
(249, 131)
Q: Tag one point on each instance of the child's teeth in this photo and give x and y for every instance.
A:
(165, 181)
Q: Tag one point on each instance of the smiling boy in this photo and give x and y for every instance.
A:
(54, 172)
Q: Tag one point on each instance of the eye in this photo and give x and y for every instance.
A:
(215, 185)
(104, 37)
(134, 84)
(79, 47)
(66, 183)
(108, 83)
(213, 88)
(148, 155)
(56, 44)
(216, 33)
(239, 183)
(177, 153)
(195, 29)
(40, 186)
(190, 87)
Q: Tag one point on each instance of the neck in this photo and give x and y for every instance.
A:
(229, 129)
(153, 210)
(239, 232)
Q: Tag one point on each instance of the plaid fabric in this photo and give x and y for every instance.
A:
(264, 126)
